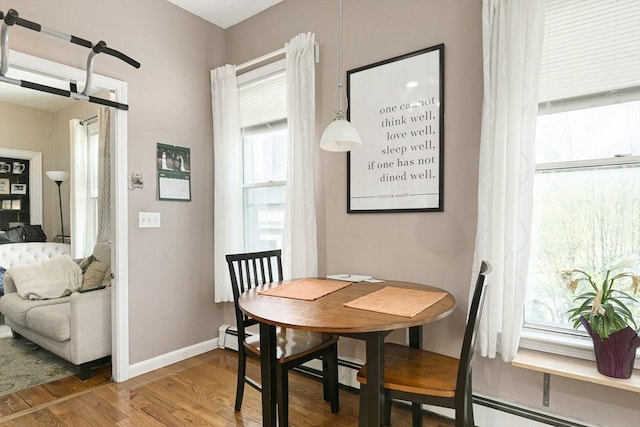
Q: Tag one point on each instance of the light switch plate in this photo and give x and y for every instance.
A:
(148, 219)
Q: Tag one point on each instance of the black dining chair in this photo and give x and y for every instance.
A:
(294, 347)
(421, 376)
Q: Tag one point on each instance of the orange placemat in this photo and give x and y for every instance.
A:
(397, 301)
(306, 289)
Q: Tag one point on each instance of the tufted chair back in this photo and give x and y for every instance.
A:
(31, 252)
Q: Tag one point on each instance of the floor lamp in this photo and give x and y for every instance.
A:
(59, 177)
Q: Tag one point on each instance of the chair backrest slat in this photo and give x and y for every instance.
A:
(244, 275)
(471, 331)
(248, 270)
(265, 261)
(254, 278)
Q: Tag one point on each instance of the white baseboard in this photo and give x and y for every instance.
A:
(171, 358)
(227, 337)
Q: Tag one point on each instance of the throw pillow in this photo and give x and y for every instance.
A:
(83, 263)
(94, 276)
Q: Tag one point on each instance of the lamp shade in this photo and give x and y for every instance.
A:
(340, 135)
(56, 176)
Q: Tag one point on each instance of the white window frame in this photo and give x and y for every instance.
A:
(561, 341)
(606, 34)
(254, 75)
(90, 130)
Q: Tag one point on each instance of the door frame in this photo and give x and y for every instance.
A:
(119, 223)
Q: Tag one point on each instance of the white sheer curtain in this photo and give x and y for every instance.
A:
(83, 231)
(512, 33)
(104, 175)
(300, 250)
(227, 152)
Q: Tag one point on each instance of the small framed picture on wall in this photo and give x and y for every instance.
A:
(6, 204)
(18, 188)
(4, 186)
(16, 205)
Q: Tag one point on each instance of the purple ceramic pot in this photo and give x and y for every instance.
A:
(614, 355)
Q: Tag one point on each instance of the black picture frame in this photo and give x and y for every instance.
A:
(397, 106)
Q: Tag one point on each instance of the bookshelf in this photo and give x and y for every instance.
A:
(14, 192)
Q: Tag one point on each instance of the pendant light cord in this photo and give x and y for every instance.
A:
(340, 91)
(340, 52)
(340, 135)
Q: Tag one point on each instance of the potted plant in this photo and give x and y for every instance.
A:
(603, 311)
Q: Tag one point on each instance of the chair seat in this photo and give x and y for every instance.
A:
(417, 371)
(292, 343)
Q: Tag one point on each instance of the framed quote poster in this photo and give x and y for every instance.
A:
(397, 105)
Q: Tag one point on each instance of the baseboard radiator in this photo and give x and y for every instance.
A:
(489, 412)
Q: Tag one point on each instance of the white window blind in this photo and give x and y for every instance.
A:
(263, 101)
(590, 46)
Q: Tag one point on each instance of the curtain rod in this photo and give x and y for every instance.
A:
(90, 119)
(263, 58)
(271, 55)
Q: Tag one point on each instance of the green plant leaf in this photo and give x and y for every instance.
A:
(615, 302)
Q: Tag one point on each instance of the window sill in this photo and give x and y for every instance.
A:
(577, 348)
(557, 343)
(570, 367)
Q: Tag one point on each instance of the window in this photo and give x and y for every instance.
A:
(92, 194)
(586, 202)
(587, 183)
(263, 121)
(84, 186)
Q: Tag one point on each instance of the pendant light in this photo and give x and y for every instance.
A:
(340, 135)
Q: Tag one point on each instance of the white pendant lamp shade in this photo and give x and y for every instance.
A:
(340, 135)
(58, 176)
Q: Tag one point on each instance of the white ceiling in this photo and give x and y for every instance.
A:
(225, 13)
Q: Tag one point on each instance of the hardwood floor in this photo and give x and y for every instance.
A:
(197, 391)
(37, 396)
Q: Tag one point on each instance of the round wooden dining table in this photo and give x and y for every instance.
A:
(328, 314)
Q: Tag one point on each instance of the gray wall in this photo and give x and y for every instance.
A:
(431, 248)
(171, 272)
(25, 128)
(170, 269)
